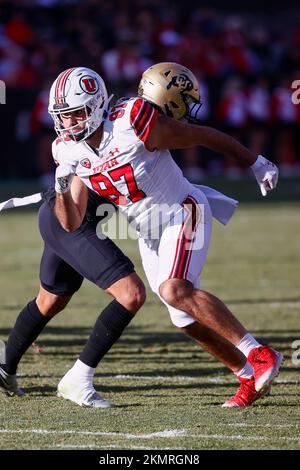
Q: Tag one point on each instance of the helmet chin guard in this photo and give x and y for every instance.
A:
(75, 89)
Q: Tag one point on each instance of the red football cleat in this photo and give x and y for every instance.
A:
(245, 395)
(265, 362)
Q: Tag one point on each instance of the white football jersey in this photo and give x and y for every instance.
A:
(146, 186)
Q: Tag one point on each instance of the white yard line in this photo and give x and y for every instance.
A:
(287, 381)
(154, 377)
(161, 434)
(167, 433)
(269, 425)
(239, 437)
(113, 446)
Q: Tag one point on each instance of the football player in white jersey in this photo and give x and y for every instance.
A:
(127, 161)
(67, 259)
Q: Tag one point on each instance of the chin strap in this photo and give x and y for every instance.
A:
(20, 201)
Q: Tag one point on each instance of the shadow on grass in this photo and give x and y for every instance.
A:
(204, 387)
(137, 335)
(165, 351)
(95, 306)
(261, 301)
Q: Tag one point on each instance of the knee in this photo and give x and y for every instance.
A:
(51, 304)
(137, 294)
(133, 298)
(174, 291)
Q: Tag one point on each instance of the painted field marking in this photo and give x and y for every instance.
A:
(113, 446)
(269, 425)
(161, 434)
(239, 437)
(164, 434)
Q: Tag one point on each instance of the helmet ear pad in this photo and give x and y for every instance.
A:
(171, 87)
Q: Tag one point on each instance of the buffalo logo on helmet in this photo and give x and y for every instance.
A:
(89, 84)
(86, 163)
(182, 81)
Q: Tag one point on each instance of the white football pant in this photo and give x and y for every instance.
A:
(181, 251)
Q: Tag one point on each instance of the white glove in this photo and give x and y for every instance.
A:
(266, 174)
(63, 177)
(194, 116)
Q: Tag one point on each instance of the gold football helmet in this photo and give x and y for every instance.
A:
(170, 87)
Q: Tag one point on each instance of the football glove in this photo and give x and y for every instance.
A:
(266, 174)
(63, 177)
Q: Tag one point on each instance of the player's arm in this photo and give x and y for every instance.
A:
(170, 134)
(71, 201)
(167, 133)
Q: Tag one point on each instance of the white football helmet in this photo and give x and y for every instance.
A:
(74, 89)
(171, 87)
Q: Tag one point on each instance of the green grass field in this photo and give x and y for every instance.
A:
(168, 391)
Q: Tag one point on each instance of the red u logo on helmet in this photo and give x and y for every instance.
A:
(89, 84)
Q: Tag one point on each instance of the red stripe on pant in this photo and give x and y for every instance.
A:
(185, 240)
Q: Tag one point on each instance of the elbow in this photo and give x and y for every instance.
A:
(67, 228)
(70, 227)
(69, 222)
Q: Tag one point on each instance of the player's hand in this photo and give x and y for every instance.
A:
(266, 174)
(194, 116)
(63, 177)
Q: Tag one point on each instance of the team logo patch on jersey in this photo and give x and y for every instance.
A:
(86, 163)
(89, 84)
(114, 152)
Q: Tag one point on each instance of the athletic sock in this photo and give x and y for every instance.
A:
(81, 374)
(108, 328)
(28, 326)
(247, 343)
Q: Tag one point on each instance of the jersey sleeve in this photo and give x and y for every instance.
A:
(55, 152)
(64, 152)
(142, 118)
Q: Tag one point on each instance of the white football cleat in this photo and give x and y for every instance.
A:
(81, 395)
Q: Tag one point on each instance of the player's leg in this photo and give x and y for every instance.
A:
(212, 342)
(77, 383)
(58, 283)
(209, 340)
(203, 307)
(129, 291)
(177, 288)
(212, 313)
(182, 252)
(103, 263)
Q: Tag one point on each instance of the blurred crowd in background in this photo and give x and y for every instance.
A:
(245, 59)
